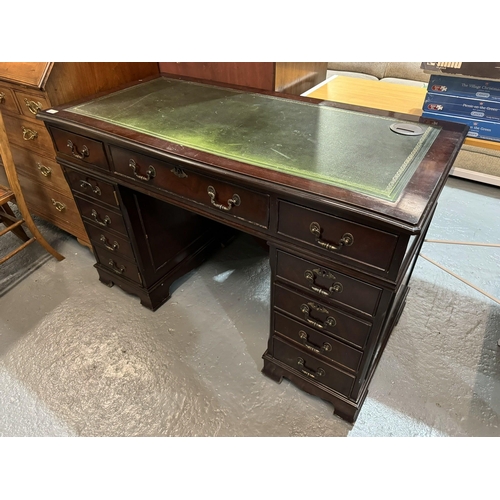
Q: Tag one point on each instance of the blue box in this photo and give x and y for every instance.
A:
(476, 109)
(479, 129)
(464, 87)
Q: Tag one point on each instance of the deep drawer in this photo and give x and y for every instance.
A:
(79, 147)
(28, 133)
(313, 367)
(109, 241)
(336, 236)
(100, 216)
(317, 342)
(31, 102)
(227, 198)
(328, 284)
(118, 265)
(90, 186)
(7, 100)
(322, 317)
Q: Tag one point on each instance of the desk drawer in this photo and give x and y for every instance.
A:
(7, 100)
(317, 342)
(328, 284)
(336, 236)
(101, 216)
(90, 186)
(28, 133)
(108, 241)
(323, 318)
(79, 147)
(247, 205)
(313, 367)
(118, 265)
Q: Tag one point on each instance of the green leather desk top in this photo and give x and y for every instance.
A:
(353, 150)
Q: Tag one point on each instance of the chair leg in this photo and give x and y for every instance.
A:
(8, 221)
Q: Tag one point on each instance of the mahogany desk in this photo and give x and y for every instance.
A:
(163, 169)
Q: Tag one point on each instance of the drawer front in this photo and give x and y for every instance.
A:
(29, 134)
(90, 186)
(322, 317)
(327, 284)
(8, 100)
(81, 148)
(101, 216)
(336, 236)
(317, 342)
(220, 196)
(41, 168)
(313, 367)
(31, 102)
(109, 241)
(118, 265)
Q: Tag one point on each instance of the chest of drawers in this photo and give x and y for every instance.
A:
(157, 194)
(27, 88)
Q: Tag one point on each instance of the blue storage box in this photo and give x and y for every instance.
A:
(464, 87)
(462, 106)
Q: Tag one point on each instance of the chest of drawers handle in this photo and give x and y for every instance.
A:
(335, 288)
(59, 206)
(326, 347)
(45, 171)
(232, 202)
(2, 97)
(33, 106)
(29, 135)
(104, 222)
(96, 190)
(306, 371)
(114, 266)
(306, 309)
(179, 172)
(150, 172)
(113, 247)
(346, 240)
(74, 151)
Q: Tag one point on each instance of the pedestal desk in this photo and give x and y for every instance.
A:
(163, 170)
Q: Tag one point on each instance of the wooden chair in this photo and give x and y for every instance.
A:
(13, 193)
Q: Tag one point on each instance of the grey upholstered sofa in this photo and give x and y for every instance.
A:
(479, 164)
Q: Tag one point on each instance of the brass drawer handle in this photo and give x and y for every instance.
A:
(232, 202)
(335, 288)
(150, 172)
(326, 347)
(33, 106)
(102, 222)
(59, 206)
(2, 97)
(346, 240)
(306, 309)
(84, 185)
(318, 373)
(74, 150)
(29, 134)
(45, 171)
(114, 266)
(113, 247)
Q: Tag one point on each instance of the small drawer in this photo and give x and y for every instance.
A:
(321, 317)
(90, 186)
(31, 102)
(227, 198)
(29, 134)
(40, 168)
(118, 265)
(108, 241)
(313, 367)
(327, 284)
(317, 342)
(79, 147)
(8, 100)
(339, 238)
(101, 216)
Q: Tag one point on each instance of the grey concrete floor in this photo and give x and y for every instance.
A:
(80, 359)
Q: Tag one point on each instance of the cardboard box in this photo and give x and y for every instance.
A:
(464, 87)
(479, 129)
(476, 109)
